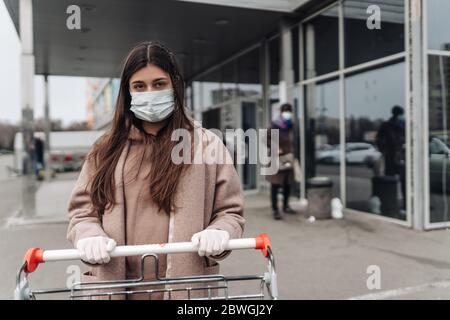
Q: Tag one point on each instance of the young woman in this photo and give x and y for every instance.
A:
(131, 192)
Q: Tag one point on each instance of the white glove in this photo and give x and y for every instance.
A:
(210, 241)
(95, 249)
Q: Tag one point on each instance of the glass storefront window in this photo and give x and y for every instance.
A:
(363, 44)
(188, 96)
(321, 48)
(375, 170)
(208, 90)
(439, 137)
(274, 60)
(196, 99)
(322, 131)
(230, 98)
(228, 86)
(216, 87)
(375, 141)
(437, 24)
(249, 101)
(248, 75)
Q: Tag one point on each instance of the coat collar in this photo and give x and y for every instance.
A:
(135, 134)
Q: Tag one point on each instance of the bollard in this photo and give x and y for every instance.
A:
(319, 197)
(385, 188)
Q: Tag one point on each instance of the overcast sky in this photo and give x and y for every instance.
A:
(67, 94)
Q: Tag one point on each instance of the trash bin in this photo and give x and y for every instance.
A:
(385, 188)
(319, 197)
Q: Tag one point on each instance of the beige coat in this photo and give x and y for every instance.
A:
(208, 196)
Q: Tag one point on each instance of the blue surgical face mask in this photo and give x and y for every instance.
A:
(286, 115)
(152, 106)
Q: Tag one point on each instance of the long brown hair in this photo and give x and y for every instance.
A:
(107, 150)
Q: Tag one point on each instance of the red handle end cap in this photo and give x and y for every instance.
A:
(33, 257)
(263, 243)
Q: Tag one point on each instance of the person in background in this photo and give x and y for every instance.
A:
(391, 143)
(39, 150)
(283, 178)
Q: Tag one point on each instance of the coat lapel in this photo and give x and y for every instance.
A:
(114, 222)
(192, 216)
(189, 219)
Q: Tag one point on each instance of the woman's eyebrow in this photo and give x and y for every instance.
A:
(157, 79)
(137, 81)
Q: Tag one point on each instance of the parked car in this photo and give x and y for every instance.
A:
(362, 153)
(439, 166)
(329, 154)
(355, 153)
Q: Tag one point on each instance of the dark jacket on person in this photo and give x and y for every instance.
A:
(390, 141)
(289, 142)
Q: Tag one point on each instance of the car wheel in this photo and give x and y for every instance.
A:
(369, 161)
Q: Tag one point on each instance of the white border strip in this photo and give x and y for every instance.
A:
(403, 291)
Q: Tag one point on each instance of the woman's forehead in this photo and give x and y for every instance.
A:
(149, 73)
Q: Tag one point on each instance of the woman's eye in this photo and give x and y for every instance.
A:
(161, 85)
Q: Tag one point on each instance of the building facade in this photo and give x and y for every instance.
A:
(344, 66)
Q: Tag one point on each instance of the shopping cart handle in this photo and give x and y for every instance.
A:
(35, 256)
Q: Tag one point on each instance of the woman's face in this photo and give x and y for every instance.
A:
(150, 78)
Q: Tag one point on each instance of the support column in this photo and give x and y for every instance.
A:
(264, 64)
(27, 103)
(310, 110)
(418, 116)
(286, 63)
(302, 113)
(48, 125)
(265, 114)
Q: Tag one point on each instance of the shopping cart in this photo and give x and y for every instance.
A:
(209, 284)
